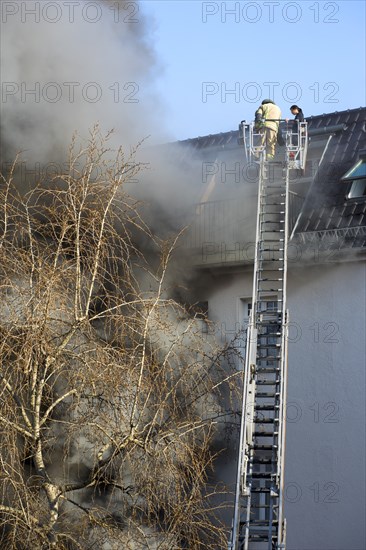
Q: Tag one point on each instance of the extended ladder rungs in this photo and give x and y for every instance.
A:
(263, 475)
(272, 221)
(260, 447)
(267, 394)
(263, 461)
(277, 215)
(262, 269)
(269, 260)
(266, 407)
(271, 250)
(270, 322)
(273, 241)
(265, 279)
(259, 500)
(269, 311)
(266, 420)
(264, 506)
(268, 290)
(262, 522)
(274, 186)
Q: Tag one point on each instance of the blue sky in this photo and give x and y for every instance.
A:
(219, 60)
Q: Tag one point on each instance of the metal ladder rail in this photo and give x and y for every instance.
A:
(269, 528)
(281, 541)
(246, 450)
(296, 145)
(296, 141)
(247, 410)
(253, 494)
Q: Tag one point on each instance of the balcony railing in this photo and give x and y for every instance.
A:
(224, 231)
(216, 222)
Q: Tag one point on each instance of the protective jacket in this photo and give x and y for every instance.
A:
(300, 116)
(268, 110)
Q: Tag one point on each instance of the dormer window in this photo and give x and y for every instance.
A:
(358, 189)
(357, 178)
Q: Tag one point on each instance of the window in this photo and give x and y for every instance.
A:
(356, 176)
(266, 306)
(245, 309)
(358, 189)
(358, 171)
(199, 310)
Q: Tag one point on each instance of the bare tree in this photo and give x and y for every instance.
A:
(109, 391)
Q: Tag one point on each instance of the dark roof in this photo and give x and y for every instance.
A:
(337, 138)
(326, 207)
(354, 121)
(223, 139)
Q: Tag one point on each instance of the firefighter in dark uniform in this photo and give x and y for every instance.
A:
(299, 117)
(297, 111)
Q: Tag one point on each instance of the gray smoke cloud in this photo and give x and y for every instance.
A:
(65, 67)
(68, 65)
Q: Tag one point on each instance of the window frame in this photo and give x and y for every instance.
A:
(358, 181)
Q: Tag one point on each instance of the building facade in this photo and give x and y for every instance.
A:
(325, 450)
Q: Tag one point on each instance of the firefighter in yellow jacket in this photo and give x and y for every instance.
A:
(267, 122)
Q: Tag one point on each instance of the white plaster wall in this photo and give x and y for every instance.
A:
(325, 505)
(325, 459)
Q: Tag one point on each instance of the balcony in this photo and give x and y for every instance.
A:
(223, 232)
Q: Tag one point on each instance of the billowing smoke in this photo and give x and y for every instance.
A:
(68, 65)
(65, 67)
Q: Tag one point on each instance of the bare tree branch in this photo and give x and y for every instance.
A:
(110, 397)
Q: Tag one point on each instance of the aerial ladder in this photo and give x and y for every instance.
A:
(258, 521)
